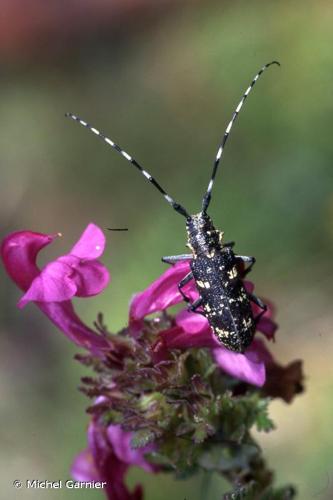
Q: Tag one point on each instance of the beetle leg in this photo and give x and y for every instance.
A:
(197, 303)
(247, 260)
(182, 283)
(172, 259)
(257, 301)
(229, 244)
(260, 304)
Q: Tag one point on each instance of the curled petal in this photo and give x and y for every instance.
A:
(267, 326)
(162, 293)
(19, 252)
(91, 278)
(91, 244)
(65, 277)
(249, 367)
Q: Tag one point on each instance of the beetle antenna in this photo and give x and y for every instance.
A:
(176, 206)
(207, 197)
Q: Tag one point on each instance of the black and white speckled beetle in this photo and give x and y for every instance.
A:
(217, 271)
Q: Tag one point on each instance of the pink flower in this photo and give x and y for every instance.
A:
(193, 330)
(107, 458)
(77, 273)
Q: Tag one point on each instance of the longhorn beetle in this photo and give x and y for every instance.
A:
(215, 268)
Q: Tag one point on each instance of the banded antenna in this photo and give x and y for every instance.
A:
(176, 206)
(207, 197)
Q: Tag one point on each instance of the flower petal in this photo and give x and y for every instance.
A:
(162, 293)
(268, 327)
(62, 314)
(91, 244)
(19, 252)
(191, 330)
(54, 284)
(249, 367)
(121, 443)
(91, 278)
(249, 286)
(284, 381)
(177, 338)
(83, 467)
(266, 324)
(191, 322)
(110, 468)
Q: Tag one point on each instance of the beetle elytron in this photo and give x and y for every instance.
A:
(215, 268)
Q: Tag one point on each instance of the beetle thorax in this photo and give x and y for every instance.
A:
(202, 235)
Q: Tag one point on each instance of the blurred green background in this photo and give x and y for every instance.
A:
(162, 79)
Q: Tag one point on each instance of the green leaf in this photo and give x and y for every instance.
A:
(226, 457)
(263, 421)
(253, 491)
(284, 493)
(142, 437)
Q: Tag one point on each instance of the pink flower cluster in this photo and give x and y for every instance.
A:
(193, 330)
(76, 274)
(80, 274)
(107, 459)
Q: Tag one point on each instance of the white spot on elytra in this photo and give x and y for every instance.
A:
(247, 323)
(232, 273)
(222, 333)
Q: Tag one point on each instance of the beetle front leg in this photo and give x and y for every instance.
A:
(172, 259)
(184, 282)
(246, 260)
